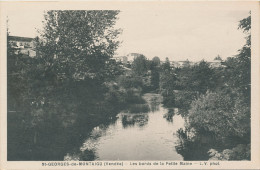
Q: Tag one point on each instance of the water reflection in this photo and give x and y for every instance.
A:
(87, 152)
(154, 103)
(169, 115)
(134, 119)
(134, 136)
(154, 107)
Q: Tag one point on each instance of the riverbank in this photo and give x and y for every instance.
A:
(135, 136)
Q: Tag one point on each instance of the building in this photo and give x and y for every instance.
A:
(117, 59)
(129, 58)
(24, 45)
(122, 59)
(215, 63)
(180, 63)
(132, 56)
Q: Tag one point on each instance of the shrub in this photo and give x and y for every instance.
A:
(240, 152)
(217, 112)
(130, 81)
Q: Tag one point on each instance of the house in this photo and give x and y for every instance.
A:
(24, 45)
(181, 63)
(215, 63)
(129, 58)
(132, 56)
(122, 59)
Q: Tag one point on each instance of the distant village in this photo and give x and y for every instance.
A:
(129, 58)
(26, 46)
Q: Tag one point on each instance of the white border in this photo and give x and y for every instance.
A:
(127, 5)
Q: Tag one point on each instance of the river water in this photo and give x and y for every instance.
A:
(136, 136)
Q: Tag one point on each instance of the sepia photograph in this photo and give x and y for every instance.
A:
(129, 84)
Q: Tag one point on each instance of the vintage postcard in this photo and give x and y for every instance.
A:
(130, 85)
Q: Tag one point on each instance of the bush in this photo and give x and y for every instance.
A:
(217, 112)
(183, 98)
(179, 98)
(133, 96)
(240, 152)
(130, 82)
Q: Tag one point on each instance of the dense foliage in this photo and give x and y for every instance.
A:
(73, 85)
(216, 101)
(68, 83)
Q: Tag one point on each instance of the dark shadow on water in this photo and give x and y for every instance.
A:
(87, 151)
(154, 107)
(169, 115)
(140, 120)
(53, 142)
(154, 103)
(138, 108)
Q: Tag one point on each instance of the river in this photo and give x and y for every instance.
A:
(135, 136)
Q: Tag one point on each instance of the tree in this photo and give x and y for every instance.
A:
(139, 65)
(201, 77)
(22, 114)
(216, 113)
(218, 58)
(155, 73)
(238, 68)
(112, 70)
(156, 61)
(74, 51)
(78, 43)
(166, 65)
(186, 63)
(244, 58)
(225, 113)
(65, 83)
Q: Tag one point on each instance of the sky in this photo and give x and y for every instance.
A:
(177, 34)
